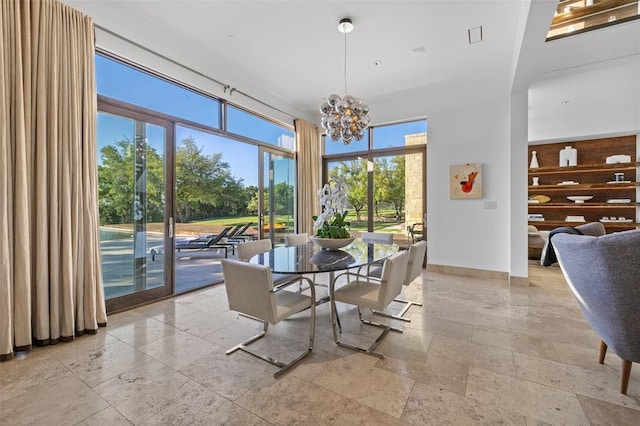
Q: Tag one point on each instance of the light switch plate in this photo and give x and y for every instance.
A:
(490, 205)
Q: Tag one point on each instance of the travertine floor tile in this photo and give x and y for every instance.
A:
(370, 386)
(142, 392)
(204, 407)
(524, 397)
(358, 414)
(482, 319)
(228, 375)
(178, 349)
(522, 343)
(107, 417)
(597, 384)
(465, 352)
(434, 370)
(28, 371)
(97, 358)
(428, 405)
(290, 400)
(141, 332)
(603, 413)
(64, 401)
(435, 325)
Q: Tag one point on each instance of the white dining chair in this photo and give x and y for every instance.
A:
(377, 237)
(365, 293)
(248, 249)
(291, 240)
(250, 291)
(417, 253)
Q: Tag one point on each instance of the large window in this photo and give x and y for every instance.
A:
(250, 125)
(387, 184)
(119, 81)
(173, 179)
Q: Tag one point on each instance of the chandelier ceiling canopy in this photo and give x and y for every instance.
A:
(345, 118)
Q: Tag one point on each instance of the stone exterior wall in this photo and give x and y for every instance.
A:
(415, 180)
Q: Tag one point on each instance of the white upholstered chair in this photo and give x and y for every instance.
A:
(377, 237)
(365, 293)
(250, 291)
(248, 249)
(291, 240)
(417, 252)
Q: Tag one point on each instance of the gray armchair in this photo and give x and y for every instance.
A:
(604, 275)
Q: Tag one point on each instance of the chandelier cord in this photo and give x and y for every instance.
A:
(345, 58)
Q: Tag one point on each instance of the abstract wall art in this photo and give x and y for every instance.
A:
(465, 181)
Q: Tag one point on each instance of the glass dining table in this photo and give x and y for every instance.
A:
(309, 258)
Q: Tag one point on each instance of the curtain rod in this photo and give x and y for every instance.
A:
(225, 87)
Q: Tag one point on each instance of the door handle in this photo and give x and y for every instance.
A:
(171, 227)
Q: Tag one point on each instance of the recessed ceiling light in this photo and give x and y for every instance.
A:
(232, 37)
(565, 102)
(376, 63)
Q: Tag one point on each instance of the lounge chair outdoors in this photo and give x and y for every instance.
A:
(208, 242)
(239, 234)
(200, 243)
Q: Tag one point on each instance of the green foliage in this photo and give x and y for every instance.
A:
(116, 183)
(388, 182)
(205, 186)
(354, 175)
(337, 228)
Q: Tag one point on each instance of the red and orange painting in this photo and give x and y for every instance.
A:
(465, 181)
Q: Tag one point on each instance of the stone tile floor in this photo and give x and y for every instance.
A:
(477, 352)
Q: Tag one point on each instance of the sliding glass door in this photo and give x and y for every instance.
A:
(278, 201)
(135, 211)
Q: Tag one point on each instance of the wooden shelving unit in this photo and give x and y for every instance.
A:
(593, 176)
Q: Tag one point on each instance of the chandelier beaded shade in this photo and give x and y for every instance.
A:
(345, 118)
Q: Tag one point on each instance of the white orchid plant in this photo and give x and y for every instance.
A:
(331, 222)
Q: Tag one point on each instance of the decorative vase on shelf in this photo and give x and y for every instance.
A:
(568, 156)
(534, 161)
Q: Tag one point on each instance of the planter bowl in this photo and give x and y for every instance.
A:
(331, 243)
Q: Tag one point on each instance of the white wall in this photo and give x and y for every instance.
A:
(462, 232)
(604, 99)
(465, 124)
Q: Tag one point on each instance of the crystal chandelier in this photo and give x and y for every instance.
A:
(344, 118)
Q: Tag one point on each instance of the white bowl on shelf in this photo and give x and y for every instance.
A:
(580, 198)
(574, 219)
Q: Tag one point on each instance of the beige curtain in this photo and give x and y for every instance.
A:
(50, 277)
(309, 173)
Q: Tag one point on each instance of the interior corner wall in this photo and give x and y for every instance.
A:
(463, 233)
(604, 100)
(519, 265)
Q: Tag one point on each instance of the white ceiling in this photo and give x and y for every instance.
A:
(292, 51)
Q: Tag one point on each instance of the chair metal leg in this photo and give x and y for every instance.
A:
(377, 324)
(283, 367)
(400, 315)
(371, 349)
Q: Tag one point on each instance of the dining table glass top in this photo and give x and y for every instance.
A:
(309, 258)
